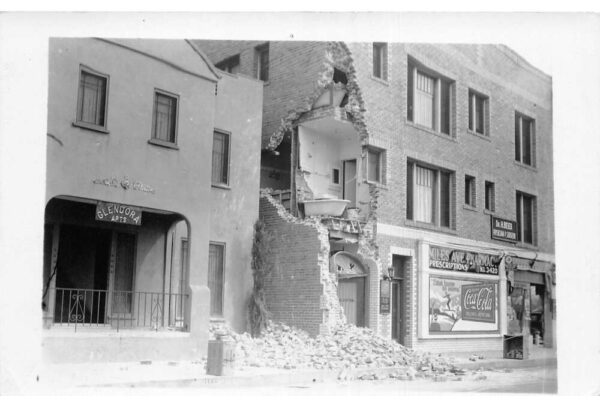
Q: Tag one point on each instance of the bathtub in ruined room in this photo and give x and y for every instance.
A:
(325, 207)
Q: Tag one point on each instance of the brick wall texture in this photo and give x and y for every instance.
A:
(294, 289)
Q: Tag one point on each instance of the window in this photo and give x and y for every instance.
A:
(375, 165)
(262, 62)
(478, 113)
(220, 158)
(429, 100)
(380, 60)
(164, 120)
(429, 195)
(524, 140)
(490, 196)
(91, 101)
(526, 217)
(335, 176)
(470, 193)
(216, 261)
(230, 65)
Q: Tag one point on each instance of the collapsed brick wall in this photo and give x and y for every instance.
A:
(300, 291)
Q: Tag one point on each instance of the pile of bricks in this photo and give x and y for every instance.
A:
(346, 348)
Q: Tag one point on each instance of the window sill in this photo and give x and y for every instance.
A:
(488, 211)
(522, 165)
(221, 186)
(90, 127)
(380, 80)
(470, 207)
(525, 245)
(429, 226)
(376, 184)
(217, 319)
(431, 131)
(479, 135)
(163, 143)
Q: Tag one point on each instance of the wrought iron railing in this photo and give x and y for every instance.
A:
(119, 309)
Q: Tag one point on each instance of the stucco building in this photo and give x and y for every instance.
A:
(409, 188)
(152, 192)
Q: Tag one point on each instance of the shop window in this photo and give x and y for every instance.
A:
(229, 65)
(490, 196)
(262, 62)
(220, 158)
(524, 140)
(526, 218)
(478, 113)
(429, 195)
(375, 159)
(380, 60)
(91, 100)
(216, 268)
(470, 191)
(429, 99)
(164, 120)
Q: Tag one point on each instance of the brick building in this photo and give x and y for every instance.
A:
(152, 178)
(409, 188)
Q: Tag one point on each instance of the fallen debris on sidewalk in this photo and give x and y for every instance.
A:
(346, 348)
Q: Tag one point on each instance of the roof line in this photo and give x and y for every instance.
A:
(157, 58)
(202, 55)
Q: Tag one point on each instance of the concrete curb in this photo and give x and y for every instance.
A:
(507, 363)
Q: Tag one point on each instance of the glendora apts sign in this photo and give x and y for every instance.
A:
(117, 213)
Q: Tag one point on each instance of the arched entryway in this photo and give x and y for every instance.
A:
(352, 282)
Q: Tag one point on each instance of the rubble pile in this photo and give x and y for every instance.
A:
(346, 348)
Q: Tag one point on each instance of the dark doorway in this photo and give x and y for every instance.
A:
(399, 298)
(82, 274)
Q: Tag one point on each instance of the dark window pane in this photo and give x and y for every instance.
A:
(92, 99)
(165, 111)
(526, 142)
(377, 60)
(517, 138)
(445, 108)
(445, 199)
(479, 114)
(471, 111)
(220, 158)
(527, 219)
(409, 92)
(409, 191)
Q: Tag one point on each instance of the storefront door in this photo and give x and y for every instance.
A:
(399, 299)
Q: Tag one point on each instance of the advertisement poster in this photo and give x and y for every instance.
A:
(460, 305)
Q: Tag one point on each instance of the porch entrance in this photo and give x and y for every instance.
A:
(100, 274)
(92, 282)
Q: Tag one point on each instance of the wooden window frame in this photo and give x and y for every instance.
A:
(520, 196)
(414, 68)
(381, 161)
(519, 149)
(470, 191)
(79, 108)
(260, 52)
(437, 208)
(228, 165)
(380, 55)
(490, 197)
(474, 96)
(155, 140)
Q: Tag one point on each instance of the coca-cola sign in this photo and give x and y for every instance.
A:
(478, 302)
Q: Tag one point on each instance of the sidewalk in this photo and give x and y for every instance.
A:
(192, 374)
